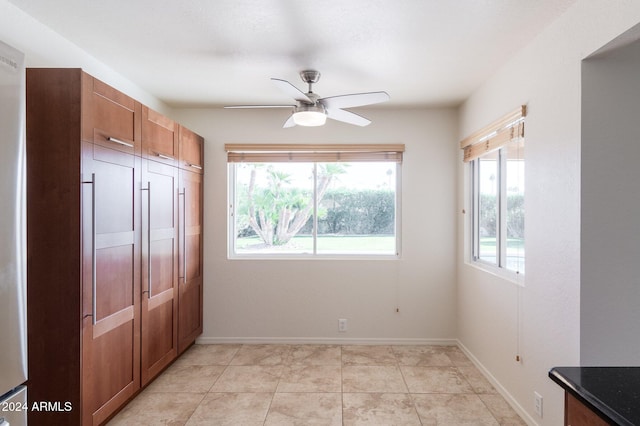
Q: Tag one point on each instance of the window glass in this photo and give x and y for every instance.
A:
(498, 196)
(488, 190)
(515, 206)
(274, 201)
(307, 208)
(356, 208)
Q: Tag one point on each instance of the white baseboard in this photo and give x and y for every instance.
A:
(496, 384)
(324, 341)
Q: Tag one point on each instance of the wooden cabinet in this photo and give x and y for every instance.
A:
(159, 267)
(109, 118)
(191, 151)
(191, 268)
(110, 223)
(159, 137)
(106, 238)
(577, 414)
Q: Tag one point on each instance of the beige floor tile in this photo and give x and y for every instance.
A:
(423, 356)
(305, 409)
(372, 378)
(435, 380)
(501, 410)
(315, 355)
(152, 409)
(378, 409)
(457, 356)
(248, 378)
(476, 379)
(368, 355)
(453, 410)
(232, 409)
(311, 378)
(186, 378)
(262, 355)
(320, 384)
(208, 355)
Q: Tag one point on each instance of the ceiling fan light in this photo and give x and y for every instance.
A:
(309, 118)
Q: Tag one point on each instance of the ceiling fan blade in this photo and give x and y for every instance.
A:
(347, 117)
(258, 106)
(289, 122)
(291, 90)
(354, 100)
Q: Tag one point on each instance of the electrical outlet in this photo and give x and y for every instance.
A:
(537, 403)
(342, 325)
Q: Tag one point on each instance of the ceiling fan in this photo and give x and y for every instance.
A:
(312, 110)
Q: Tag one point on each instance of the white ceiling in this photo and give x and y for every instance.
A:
(223, 52)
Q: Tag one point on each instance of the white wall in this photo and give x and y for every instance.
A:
(610, 237)
(44, 48)
(546, 76)
(304, 299)
(301, 300)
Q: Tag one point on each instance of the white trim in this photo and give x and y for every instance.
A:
(524, 415)
(325, 341)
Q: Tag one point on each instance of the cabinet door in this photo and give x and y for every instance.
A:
(159, 137)
(110, 280)
(577, 414)
(159, 267)
(109, 117)
(191, 151)
(190, 280)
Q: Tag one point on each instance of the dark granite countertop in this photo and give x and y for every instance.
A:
(612, 392)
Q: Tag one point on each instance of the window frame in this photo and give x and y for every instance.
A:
(493, 139)
(341, 153)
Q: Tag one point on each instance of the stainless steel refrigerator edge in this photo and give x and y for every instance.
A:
(13, 332)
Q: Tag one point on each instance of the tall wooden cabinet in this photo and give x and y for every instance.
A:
(160, 218)
(108, 308)
(191, 162)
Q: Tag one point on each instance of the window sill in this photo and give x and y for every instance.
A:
(507, 275)
(313, 257)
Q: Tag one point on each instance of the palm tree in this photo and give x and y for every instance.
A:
(277, 213)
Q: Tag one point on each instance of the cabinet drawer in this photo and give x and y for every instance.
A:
(159, 137)
(191, 151)
(109, 117)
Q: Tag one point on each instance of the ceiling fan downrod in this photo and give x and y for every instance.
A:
(310, 77)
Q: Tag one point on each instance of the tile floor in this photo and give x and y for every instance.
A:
(319, 385)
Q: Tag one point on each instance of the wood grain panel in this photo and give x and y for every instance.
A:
(160, 267)
(159, 137)
(191, 151)
(109, 113)
(191, 268)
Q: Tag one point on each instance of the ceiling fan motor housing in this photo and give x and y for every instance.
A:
(310, 76)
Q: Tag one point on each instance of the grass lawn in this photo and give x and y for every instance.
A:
(354, 244)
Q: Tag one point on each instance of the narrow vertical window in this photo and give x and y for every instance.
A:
(496, 162)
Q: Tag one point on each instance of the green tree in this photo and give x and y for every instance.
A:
(277, 213)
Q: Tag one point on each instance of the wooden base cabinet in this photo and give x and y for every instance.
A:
(108, 308)
(577, 414)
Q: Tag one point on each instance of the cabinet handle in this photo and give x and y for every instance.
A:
(94, 254)
(164, 157)
(148, 189)
(195, 166)
(184, 234)
(119, 142)
(93, 249)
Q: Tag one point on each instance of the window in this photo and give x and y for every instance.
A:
(496, 161)
(313, 200)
